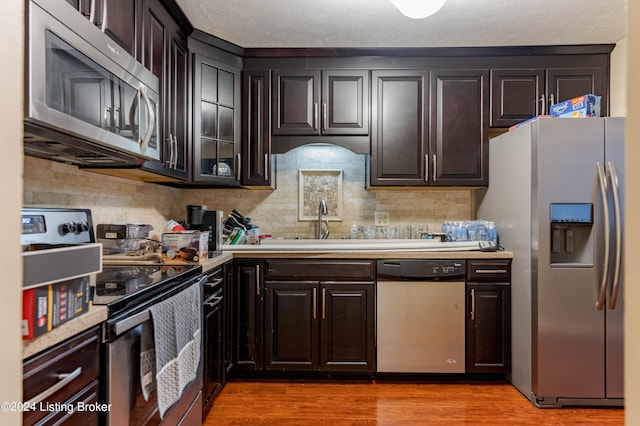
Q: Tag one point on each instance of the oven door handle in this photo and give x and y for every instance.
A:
(128, 323)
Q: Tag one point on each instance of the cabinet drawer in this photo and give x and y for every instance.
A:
(78, 357)
(489, 270)
(314, 270)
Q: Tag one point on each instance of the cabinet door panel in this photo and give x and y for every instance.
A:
(567, 83)
(256, 136)
(515, 95)
(345, 102)
(295, 103)
(120, 22)
(291, 326)
(488, 328)
(248, 307)
(459, 134)
(347, 327)
(398, 147)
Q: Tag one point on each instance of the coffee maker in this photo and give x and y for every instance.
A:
(200, 219)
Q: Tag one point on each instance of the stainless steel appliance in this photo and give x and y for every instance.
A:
(420, 316)
(555, 193)
(58, 244)
(87, 101)
(200, 219)
(129, 292)
(59, 255)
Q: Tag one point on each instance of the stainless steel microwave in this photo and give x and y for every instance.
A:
(87, 101)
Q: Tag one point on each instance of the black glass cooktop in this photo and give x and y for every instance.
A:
(122, 287)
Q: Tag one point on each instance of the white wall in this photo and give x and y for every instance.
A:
(632, 226)
(618, 79)
(11, 34)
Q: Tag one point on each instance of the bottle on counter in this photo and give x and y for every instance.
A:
(492, 232)
(354, 231)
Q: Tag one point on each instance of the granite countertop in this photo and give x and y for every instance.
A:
(96, 315)
(308, 249)
(364, 249)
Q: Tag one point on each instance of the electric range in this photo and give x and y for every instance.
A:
(123, 287)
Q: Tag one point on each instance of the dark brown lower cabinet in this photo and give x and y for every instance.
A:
(325, 326)
(248, 308)
(63, 376)
(488, 324)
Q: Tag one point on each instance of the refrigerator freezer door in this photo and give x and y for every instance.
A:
(568, 331)
(614, 155)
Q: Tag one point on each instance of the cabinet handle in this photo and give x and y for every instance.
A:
(65, 379)
(325, 118)
(266, 167)
(551, 100)
(473, 305)
(435, 168)
(315, 116)
(170, 161)
(92, 12)
(238, 166)
(107, 115)
(490, 271)
(324, 303)
(543, 105)
(314, 303)
(116, 118)
(258, 280)
(104, 15)
(426, 168)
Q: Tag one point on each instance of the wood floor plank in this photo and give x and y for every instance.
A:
(303, 403)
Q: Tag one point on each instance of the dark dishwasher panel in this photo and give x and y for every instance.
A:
(421, 269)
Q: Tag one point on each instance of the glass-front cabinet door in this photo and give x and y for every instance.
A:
(216, 130)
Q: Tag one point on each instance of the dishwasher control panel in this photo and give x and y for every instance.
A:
(421, 269)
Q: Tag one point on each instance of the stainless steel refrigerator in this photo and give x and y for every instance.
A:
(555, 193)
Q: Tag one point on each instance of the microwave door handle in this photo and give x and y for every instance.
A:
(615, 189)
(150, 115)
(135, 102)
(602, 180)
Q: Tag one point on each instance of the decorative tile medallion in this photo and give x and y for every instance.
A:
(316, 185)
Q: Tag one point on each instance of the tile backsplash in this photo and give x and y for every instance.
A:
(112, 199)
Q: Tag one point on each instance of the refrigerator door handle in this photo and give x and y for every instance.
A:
(602, 180)
(613, 175)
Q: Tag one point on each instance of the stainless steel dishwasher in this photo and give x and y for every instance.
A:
(421, 316)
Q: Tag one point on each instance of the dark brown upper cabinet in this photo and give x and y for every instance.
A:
(515, 95)
(257, 165)
(429, 128)
(399, 128)
(162, 48)
(459, 145)
(314, 102)
(116, 18)
(567, 83)
(518, 94)
(216, 121)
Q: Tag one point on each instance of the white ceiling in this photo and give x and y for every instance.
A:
(377, 23)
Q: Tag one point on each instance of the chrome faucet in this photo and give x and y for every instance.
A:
(322, 210)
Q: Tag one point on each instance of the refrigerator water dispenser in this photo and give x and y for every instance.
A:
(571, 227)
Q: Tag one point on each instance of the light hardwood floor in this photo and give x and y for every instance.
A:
(390, 403)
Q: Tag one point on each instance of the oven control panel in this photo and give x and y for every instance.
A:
(53, 226)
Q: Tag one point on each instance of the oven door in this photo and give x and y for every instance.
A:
(123, 389)
(81, 84)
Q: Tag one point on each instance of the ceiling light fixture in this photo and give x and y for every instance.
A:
(418, 9)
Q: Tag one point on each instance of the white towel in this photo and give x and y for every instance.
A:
(176, 333)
